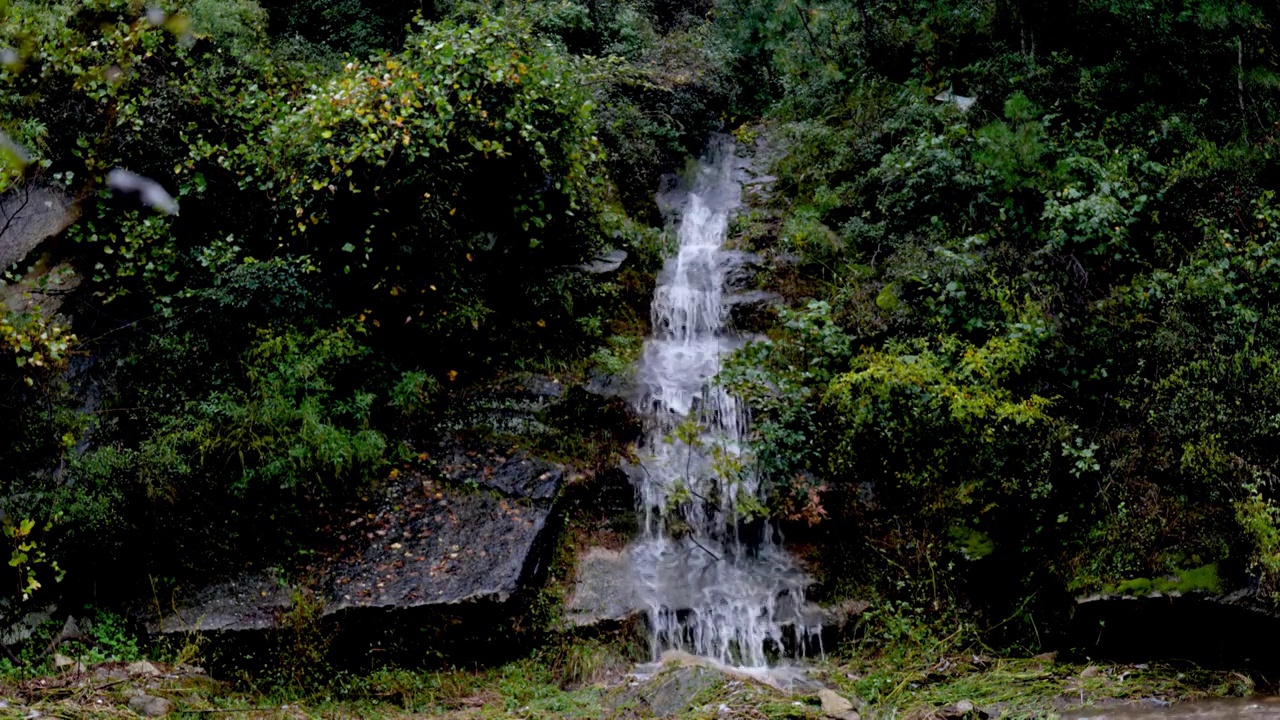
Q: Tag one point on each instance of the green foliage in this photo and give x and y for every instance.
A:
(1028, 342)
(293, 424)
(617, 358)
(1039, 320)
(414, 392)
(353, 28)
(112, 638)
(372, 214)
(28, 557)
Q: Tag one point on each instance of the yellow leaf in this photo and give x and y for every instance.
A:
(453, 375)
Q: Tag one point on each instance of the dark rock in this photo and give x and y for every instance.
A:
(439, 542)
(1237, 628)
(245, 602)
(742, 272)
(520, 476)
(474, 536)
(512, 406)
(445, 555)
(752, 312)
(609, 386)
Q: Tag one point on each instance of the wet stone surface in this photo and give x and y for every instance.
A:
(667, 694)
(246, 602)
(470, 537)
(604, 589)
(472, 533)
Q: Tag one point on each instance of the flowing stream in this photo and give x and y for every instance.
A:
(717, 584)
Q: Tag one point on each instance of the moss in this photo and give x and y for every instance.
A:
(1203, 579)
(1136, 586)
(974, 544)
(888, 300)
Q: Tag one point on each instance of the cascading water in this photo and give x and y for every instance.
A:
(716, 584)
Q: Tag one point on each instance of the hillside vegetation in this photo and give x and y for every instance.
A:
(1025, 252)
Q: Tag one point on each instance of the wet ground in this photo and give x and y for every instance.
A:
(1226, 708)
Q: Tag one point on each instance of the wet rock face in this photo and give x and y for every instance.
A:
(440, 542)
(512, 406)
(246, 602)
(605, 596)
(475, 535)
(604, 590)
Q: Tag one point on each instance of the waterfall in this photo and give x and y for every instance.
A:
(715, 579)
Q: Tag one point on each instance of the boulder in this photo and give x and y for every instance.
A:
(27, 624)
(28, 215)
(475, 533)
(150, 706)
(681, 682)
(61, 661)
(142, 668)
(835, 706)
(668, 693)
(245, 602)
(604, 263)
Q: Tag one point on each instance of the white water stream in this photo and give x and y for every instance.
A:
(717, 585)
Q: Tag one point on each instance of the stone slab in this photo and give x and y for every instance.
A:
(475, 533)
(603, 590)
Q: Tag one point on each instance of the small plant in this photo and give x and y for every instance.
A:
(303, 654)
(28, 556)
(618, 357)
(111, 638)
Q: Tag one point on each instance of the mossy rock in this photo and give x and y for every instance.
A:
(1204, 579)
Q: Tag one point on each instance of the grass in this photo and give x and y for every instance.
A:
(588, 679)
(1020, 687)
